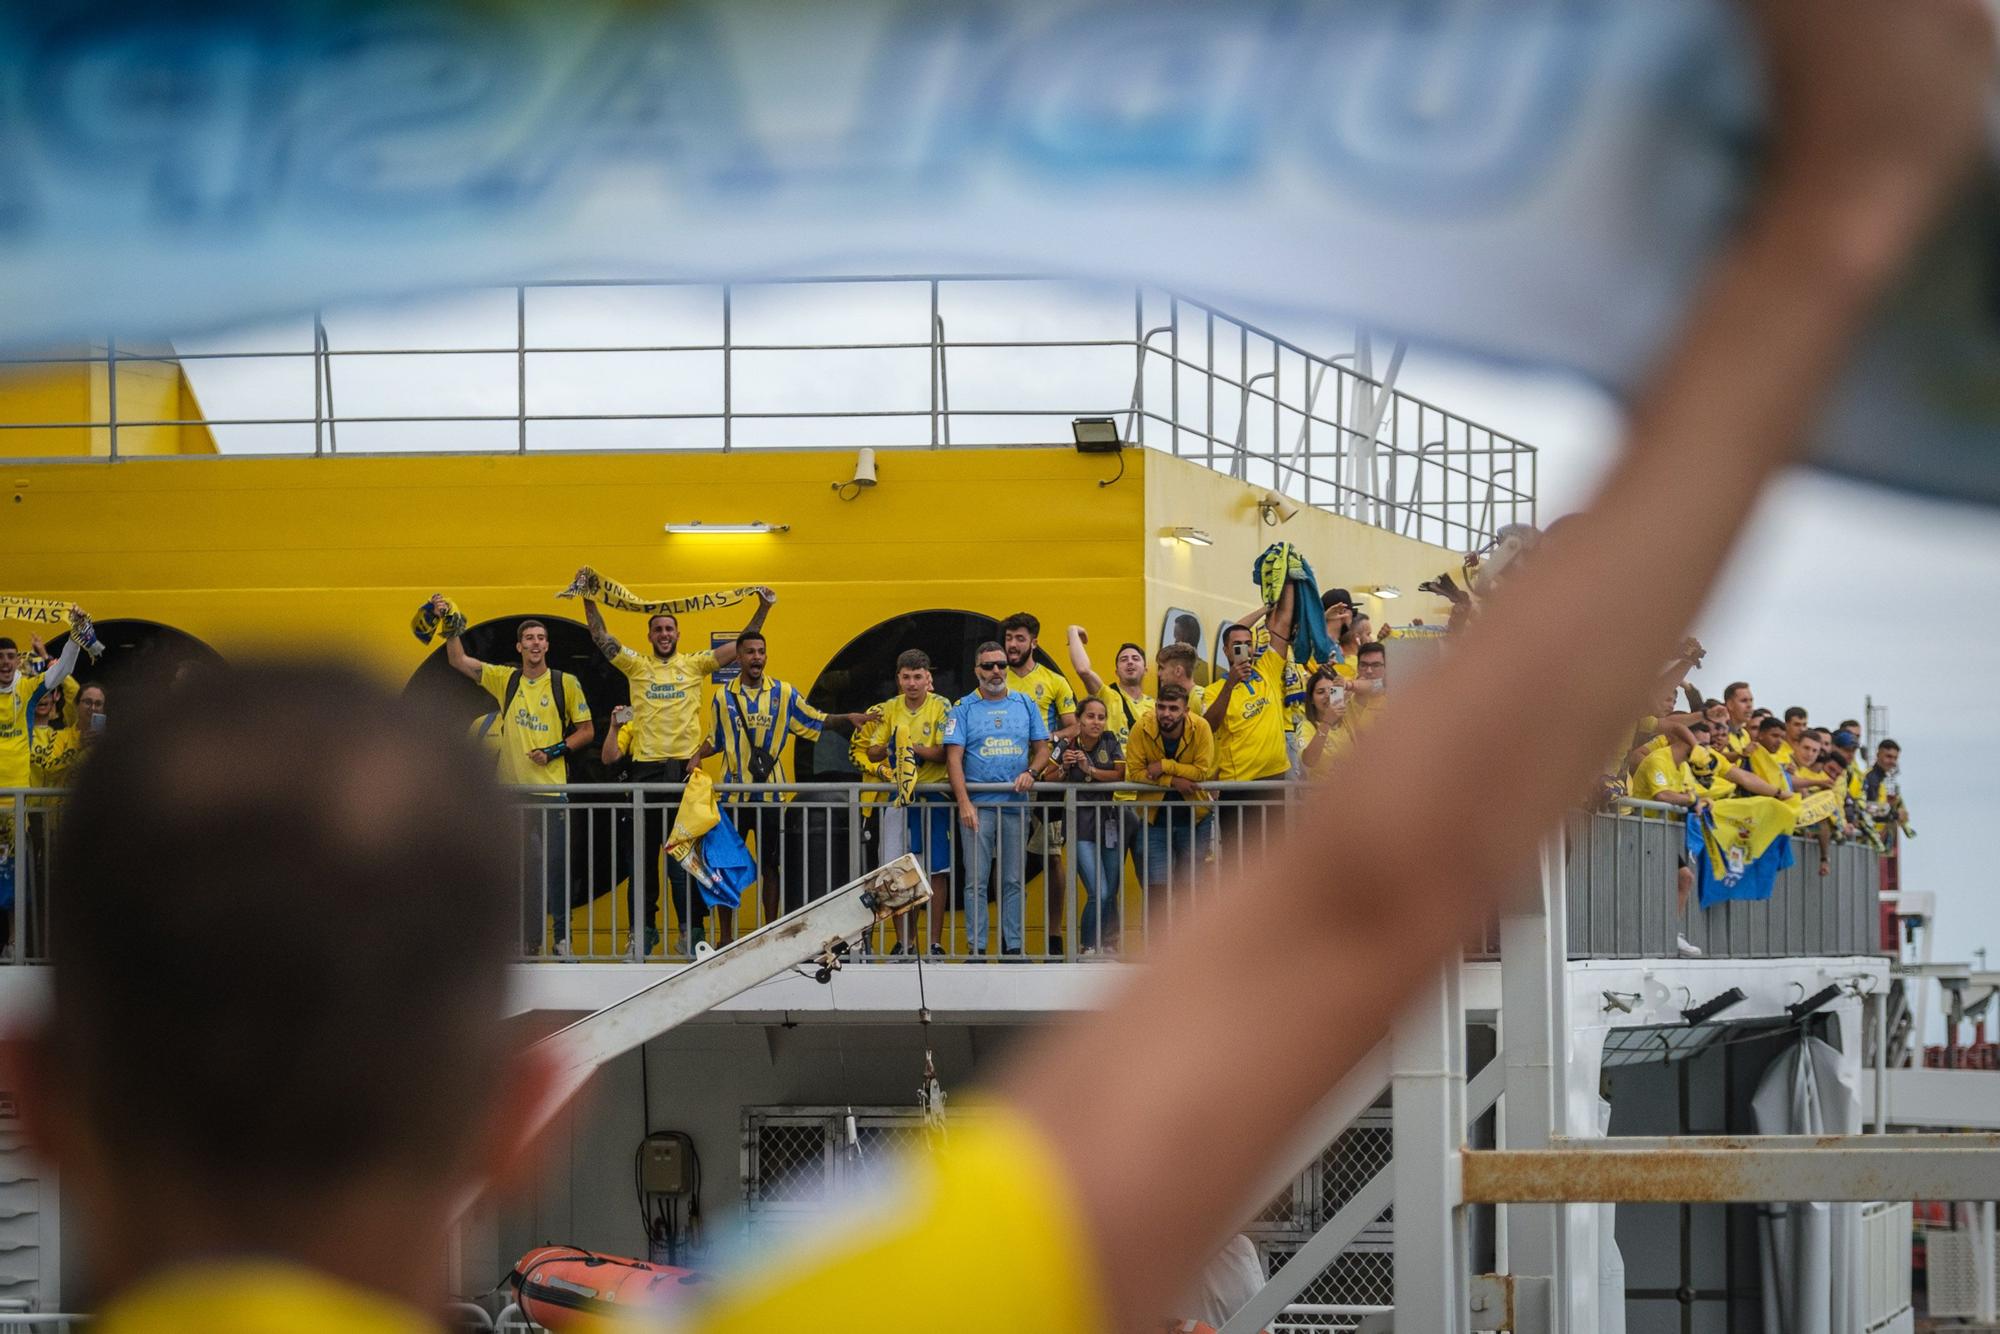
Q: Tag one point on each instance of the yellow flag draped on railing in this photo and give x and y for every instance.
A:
(590, 584)
(1818, 805)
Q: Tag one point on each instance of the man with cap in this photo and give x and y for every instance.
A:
(1337, 604)
(1846, 745)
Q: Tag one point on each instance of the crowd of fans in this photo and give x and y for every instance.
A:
(966, 785)
(1726, 747)
(974, 787)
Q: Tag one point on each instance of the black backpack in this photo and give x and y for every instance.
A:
(514, 688)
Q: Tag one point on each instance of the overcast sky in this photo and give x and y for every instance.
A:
(1839, 592)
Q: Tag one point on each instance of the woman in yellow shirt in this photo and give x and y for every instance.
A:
(1324, 734)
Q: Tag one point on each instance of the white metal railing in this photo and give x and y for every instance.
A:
(733, 366)
(1047, 858)
(1885, 1257)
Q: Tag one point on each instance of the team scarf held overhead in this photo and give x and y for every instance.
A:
(430, 623)
(52, 611)
(590, 584)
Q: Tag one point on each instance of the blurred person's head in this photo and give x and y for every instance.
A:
(281, 914)
(1130, 665)
(913, 674)
(1795, 723)
(1170, 708)
(1326, 699)
(1019, 634)
(10, 660)
(1233, 636)
(1850, 725)
(1845, 742)
(1174, 665)
(663, 632)
(1364, 626)
(1757, 717)
(989, 669)
(1805, 751)
(1738, 700)
(1888, 755)
(1770, 733)
(1091, 717)
(48, 709)
(1717, 714)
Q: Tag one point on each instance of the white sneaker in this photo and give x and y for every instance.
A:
(1685, 949)
(561, 948)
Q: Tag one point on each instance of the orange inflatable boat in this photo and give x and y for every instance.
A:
(567, 1288)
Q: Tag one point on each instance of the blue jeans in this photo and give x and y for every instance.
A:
(1101, 868)
(1175, 841)
(1002, 829)
(547, 844)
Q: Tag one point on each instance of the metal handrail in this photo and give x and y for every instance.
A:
(1482, 464)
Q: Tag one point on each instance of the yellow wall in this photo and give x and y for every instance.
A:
(1214, 581)
(79, 392)
(334, 554)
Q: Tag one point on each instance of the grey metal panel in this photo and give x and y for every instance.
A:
(1630, 897)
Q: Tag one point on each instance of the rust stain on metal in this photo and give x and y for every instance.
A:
(1712, 1175)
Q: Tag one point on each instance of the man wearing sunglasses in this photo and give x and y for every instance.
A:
(994, 735)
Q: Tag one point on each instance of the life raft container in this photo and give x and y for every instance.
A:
(568, 1288)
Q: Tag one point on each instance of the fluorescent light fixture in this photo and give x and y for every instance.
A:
(699, 529)
(1096, 435)
(1387, 592)
(1194, 537)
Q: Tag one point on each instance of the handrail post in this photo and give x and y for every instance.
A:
(21, 888)
(727, 363)
(1074, 849)
(936, 352)
(636, 919)
(319, 408)
(521, 365)
(111, 390)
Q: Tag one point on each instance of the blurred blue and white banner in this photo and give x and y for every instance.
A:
(1532, 181)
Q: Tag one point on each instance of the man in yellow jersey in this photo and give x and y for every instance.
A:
(666, 731)
(542, 720)
(17, 713)
(1124, 695)
(1175, 664)
(1369, 689)
(1246, 712)
(305, 839)
(1739, 703)
(1715, 774)
(1796, 726)
(1847, 745)
(1663, 776)
(752, 723)
(913, 720)
(1765, 759)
